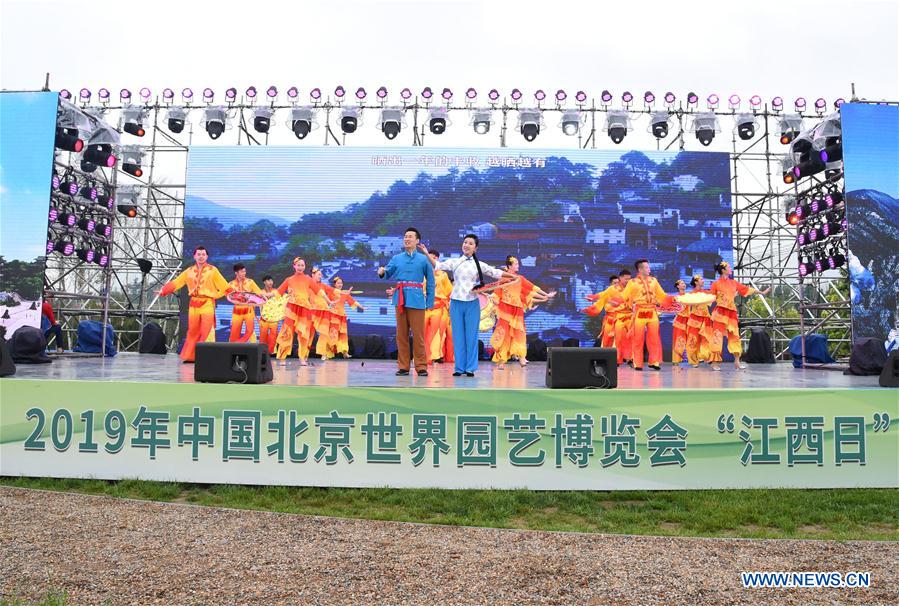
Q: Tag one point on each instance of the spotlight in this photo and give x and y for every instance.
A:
(67, 139)
(87, 167)
(133, 122)
(272, 92)
(712, 101)
(833, 199)
(733, 102)
(103, 94)
(262, 119)
(406, 94)
(131, 160)
(51, 246)
(65, 94)
(129, 210)
(427, 93)
(811, 166)
(214, 121)
(755, 102)
(516, 95)
(617, 125)
(67, 219)
(836, 259)
(481, 120)
(447, 94)
(187, 95)
(53, 215)
(539, 95)
(437, 120)
(820, 106)
(571, 122)
(208, 95)
(168, 96)
(692, 99)
(670, 99)
(145, 94)
(340, 92)
(833, 150)
(605, 98)
(382, 93)
(493, 95)
(85, 254)
(84, 95)
(659, 124)
(349, 120)
(580, 97)
(801, 238)
(105, 200)
(799, 105)
(745, 126)
(360, 93)
(88, 192)
(705, 125)
(292, 94)
(103, 229)
(471, 94)
(101, 257)
(124, 95)
(391, 122)
(86, 224)
(820, 263)
(790, 127)
(649, 99)
(55, 182)
(250, 93)
(176, 117)
(806, 267)
(777, 104)
(529, 121)
(627, 98)
(315, 94)
(838, 103)
(301, 121)
(231, 95)
(69, 186)
(64, 246)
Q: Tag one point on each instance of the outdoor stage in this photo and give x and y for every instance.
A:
(131, 367)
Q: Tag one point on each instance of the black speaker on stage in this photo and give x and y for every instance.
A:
(889, 377)
(578, 367)
(7, 366)
(232, 363)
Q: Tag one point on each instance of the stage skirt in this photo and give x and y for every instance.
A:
(509, 336)
(297, 320)
(725, 323)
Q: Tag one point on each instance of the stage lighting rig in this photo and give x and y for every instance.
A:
(705, 125)
(437, 120)
(481, 119)
(788, 163)
(176, 117)
(262, 119)
(390, 122)
(67, 140)
(618, 122)
(659, 124)
(571, 122)
(215, 121)
(790, 127)
(529, 123)
(132, 156)
(350, 119)
(745, 126)
(493, 95)
(302, 121)
(133, 121)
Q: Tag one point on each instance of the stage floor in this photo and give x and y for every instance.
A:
(380, 373)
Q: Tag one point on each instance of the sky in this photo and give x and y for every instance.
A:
(871, 148)
(26, 164)
(288, 181)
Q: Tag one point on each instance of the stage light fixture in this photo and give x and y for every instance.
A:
(745, 126)
(301, 121)
(406, 94)
(251, 93)
(272, 92)
(101, 256)
(65, 94)
(561, 96)
(806, 168)
(53, 215)
(262, 119)
(129, 210)
(617, 125)
(132, 156)
(86, 224)
(481, 121)
(605, 98)
(84, 95)
(85, 254)
(382, 93)
(571, 122)
(87, 166)
(670, 99)
(125, 95)
(145, 94)
(838, 103)
(340, 93)
(231, 95)
(103, 95)
(529, 122)
(580, 97)
(801, 238)
(806, 267)
(214, 121)
(705, 125)
(799, 105)
(712, 101)
(349, 120)
(836, 259)
(67, 140)
(447, 94)
(790, 127)
(67, 218)
(733, 102)
(103, 229)
(175, 119)
(437, 120)
(539, 96)
(55, 182)
(187, 95)
(777, 104)
(755, 102)
(69, 186)
(626, 99)
(361, 94)
(65, 246)
(427, 93)
(649, 99)
(471, 94)
(820, 106)
(168, 96)
(391, 122)
(293, 94)
(51, 247)
(821, 263)
(659, 124)
(493, 95)
(692, 100)
(208, 96)
(105, 199)
(133, 119)
(833, 150)
(88, 192)
(516, 95)
(315, 94)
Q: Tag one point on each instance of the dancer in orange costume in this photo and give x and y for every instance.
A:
(624, 321)
(679, 331)
(298, 314)
(268, 331)
(644, 294)
(321, 316)
(699, 327)
(243, 317)
(725, 322)
(438, 332)
(205, 284)
(509, 336)
(338, 335)
(601, 302)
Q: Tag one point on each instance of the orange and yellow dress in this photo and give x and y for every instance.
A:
(603, 303)
(297, 315)
(644, 295)
(243, 317)
(438, 330)
(699, 332)
(321, 321)
(509, 336)
(725, 322)
(680, 326)
(338, 335)
(204, 286)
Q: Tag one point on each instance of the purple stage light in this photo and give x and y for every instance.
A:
(406, 94)
(801, 239)
(125, 94)
(560, 95)
(168, 94)
(755, 102)
(606, 97)
(813, 234)
(208, 95)
(844, 224)
(86, 224)
(69, 187)
(539, 95)
(145, 94)
(54, 215)
(230, 94)
(733, 101)
(493, 95)
(471, 94)
(103, 94)
(67, 248)
(804, 268)
(670, 98)
(55, 181)
(819, 264)
(51, 246)
(820, 104)
(627, 97)
(271, 92)
(825, 230)
(84, 94)
(712, 101)
(250, 92)
(103, 260)
(65, 94)
(103, 229)
(315, 94)
(649, 98)
(427, 93)
(799, 104)
(382, 93)
(88, 256)
(816, 206)
(692, 98)
(447, 94)
(580, 96)
(293, 92)
(516, 94)
(187, 95)
(777, 104)
(838, 103)
(360, 93)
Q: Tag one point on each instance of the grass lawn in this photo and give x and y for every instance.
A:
(841, 514)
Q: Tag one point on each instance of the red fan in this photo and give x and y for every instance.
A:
(245, 298)
(494, 285)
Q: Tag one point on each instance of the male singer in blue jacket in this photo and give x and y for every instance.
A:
(413, 294)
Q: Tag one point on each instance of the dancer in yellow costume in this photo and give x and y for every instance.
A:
(243, 317)
(438, 331)
(509, 336)
(601, 302)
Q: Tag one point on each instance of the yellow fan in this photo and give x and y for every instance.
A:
(273, 309)
(696, 298)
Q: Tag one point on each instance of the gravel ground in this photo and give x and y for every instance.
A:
(103, 550)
